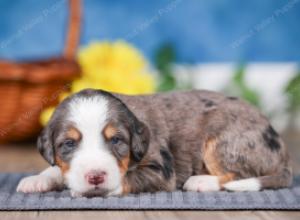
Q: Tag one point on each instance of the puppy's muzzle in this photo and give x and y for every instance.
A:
(95, 177)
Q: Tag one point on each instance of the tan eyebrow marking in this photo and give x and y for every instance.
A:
(109, 131)
(73, 133)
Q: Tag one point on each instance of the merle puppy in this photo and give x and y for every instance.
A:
(101, 144)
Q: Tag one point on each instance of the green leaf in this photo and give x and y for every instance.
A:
(164, 57)
(293, 92)
(239, 75)
(167, 83)
(240, 87)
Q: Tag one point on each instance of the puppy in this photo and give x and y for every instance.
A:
(103, 144)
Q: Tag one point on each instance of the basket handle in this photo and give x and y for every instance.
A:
(73, 34)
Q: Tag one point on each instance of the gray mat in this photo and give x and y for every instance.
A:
(283, 199)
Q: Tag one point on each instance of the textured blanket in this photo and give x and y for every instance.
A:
(283, 199)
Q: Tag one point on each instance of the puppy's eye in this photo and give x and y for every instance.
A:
(70, 143)
(114, 140)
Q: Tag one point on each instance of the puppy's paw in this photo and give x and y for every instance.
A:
(202, 183)
(75, 194)
(118, 191)
(37, 183)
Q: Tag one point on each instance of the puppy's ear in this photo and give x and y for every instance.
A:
(45, 145)
(139, 132)
(139, 140)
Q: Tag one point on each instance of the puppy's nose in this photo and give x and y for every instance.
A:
(95, 177)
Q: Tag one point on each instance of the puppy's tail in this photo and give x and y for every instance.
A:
(283, 179)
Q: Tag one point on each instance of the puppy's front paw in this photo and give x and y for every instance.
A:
(37, 183)
(76, 194)
(202, 183)
(118, 191)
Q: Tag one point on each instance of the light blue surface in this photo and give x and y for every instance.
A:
(282, 199)
(200, 30)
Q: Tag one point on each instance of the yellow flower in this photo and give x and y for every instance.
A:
(46, 114)
(116, 67)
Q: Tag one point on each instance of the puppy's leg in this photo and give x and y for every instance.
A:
(49, 179)
(202, 183)
(244, 170)
(280, 179)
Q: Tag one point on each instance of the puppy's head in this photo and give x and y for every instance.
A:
(93, 137)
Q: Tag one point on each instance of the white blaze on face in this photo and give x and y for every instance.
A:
(89, 116)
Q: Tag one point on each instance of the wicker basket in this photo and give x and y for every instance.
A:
(26, 88)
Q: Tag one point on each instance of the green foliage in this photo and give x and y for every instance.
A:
(164, 58)
(293, 92)
(239, 87)
(165, 55)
